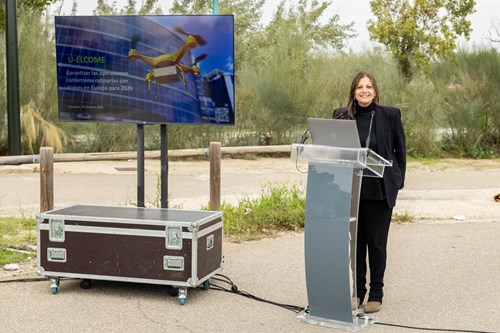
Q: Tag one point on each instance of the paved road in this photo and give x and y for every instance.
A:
(441, 273)
(438, 276)
(438, 191)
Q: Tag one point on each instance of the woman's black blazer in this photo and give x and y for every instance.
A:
(391, 145)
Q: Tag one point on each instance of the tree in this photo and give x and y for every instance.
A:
(284, 79)
(31, 5)
(494, 33)
(305, 18)
(37, 82)
(247, 17)
(469, 100)
(148, 7)
(417, 32)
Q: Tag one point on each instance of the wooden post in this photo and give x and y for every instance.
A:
(215, 159)
(46, 179)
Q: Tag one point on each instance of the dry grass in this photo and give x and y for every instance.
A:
(39, 132)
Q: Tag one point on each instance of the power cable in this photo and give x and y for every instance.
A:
(24, 280)
(297, 309)
(234, 290)
(294, 308)
(430, 329)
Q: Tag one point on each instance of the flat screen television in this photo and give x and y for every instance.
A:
(157, 69)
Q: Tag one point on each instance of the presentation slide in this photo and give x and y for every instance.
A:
(154, 69)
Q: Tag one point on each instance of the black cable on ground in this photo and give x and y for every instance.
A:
(430, 329)
(24, 280)
(297, 309)
(234, 289)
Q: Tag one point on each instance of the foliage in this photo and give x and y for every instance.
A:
(402, 218)
(16, 233)
(280, 208)
(419, 32)
(33, 6)
(37, 83)
(37, 70)
(148, 7)
(304, 19)
(288, 77)
(471, 103)
(274, 102)
(418, 102)
(113, 137)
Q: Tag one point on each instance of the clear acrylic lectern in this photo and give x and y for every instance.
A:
(332, 199)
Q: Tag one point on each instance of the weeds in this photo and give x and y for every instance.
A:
(16, 234)
(403, 218)
(279, 208)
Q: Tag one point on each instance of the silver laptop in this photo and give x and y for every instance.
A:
(334, 132)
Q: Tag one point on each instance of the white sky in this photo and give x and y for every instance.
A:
(357, 11)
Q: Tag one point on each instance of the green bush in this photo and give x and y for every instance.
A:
(279, 208)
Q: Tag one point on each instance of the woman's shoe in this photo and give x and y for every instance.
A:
(373, 306)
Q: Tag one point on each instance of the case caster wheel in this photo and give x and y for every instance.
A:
(182, 296)
(206, 284)
(54, 285)
(86, 284)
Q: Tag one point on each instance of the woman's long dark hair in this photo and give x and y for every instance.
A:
(350, 108)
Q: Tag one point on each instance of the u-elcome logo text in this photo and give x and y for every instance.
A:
(86, 60)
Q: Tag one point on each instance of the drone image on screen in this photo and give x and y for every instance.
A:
(168, 68)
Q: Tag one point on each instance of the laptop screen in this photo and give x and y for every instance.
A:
(334, 132)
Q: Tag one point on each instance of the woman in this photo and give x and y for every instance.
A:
(378, 195)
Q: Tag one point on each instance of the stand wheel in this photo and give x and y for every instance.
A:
(206, 284)
(182, 301)
(86, 284)
(53, 290)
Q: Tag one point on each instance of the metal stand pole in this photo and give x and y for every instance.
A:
(164, 166)
(13, 106)
(140, 165)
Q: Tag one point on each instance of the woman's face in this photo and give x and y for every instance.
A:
(365, 93)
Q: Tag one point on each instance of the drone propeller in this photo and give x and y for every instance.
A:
(199, 58)
(198, 38)
(134, 41)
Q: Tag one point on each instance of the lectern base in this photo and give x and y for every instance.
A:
(358, 324)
